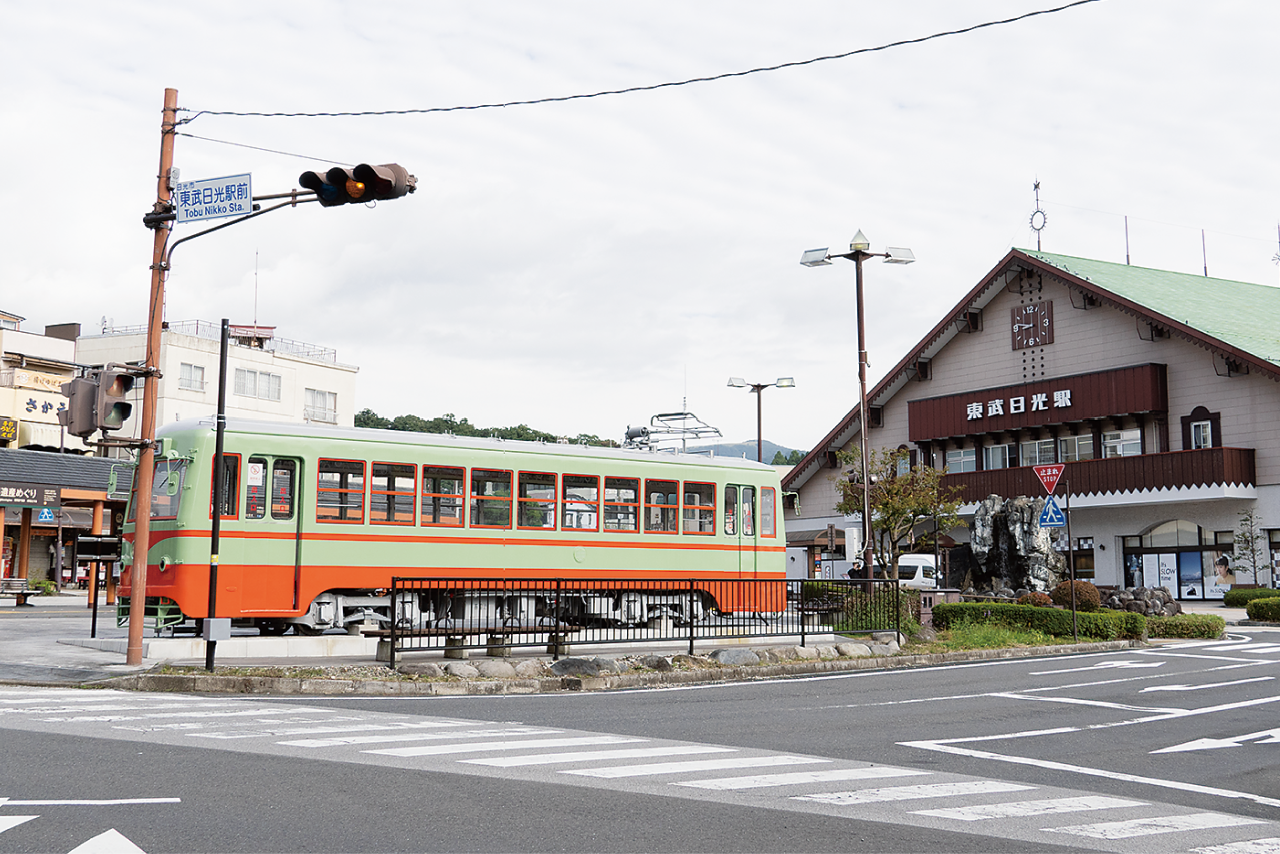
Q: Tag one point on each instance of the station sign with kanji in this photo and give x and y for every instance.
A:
(213, 198)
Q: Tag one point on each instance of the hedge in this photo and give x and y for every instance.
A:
(1186, 626)
(1264, 610)
(1104, 625)
(1242, 596)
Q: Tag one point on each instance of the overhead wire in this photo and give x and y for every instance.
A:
(647, 88)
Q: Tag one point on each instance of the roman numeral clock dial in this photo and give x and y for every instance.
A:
(1032, 325)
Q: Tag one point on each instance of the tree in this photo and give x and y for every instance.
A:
(368, 418)
(1251, 545)
(791, 459)
(909, 508)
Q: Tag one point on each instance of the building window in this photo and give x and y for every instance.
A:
(962, 460)
(320, 406)
(1122, 443)
(1037, 453)
(259, 384)
(192, 377)
(997, 457)
(1075, 448)
(1201, 434)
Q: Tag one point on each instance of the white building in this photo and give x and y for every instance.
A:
(269, 378)
(32, 370)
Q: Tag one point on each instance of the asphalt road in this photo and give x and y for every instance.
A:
(1160, 750)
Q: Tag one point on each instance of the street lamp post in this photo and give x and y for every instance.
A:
(758, 390)
(859, 250)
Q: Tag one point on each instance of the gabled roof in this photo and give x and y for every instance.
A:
(1235, 320)
(66, 470)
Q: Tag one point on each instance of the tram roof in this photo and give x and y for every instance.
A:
(404, 437)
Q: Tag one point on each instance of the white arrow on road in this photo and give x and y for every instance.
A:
(1266, 736)
(111, 842)
(1103, 665)
(1202, 687)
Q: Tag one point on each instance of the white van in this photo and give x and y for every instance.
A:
(916, 572)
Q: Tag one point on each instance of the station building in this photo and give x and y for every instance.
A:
(1159, 391)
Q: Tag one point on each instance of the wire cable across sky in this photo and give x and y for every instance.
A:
(649, 88)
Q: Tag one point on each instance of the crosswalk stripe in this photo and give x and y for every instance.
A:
(1019, 809)
(161, 715)
(476, 747)
(906, 793)
(595, 755)
(1151, 826)
(11, 821)
(617, 771)
(340, 741)
(1271, 845)
(761, 781)
(322, 730)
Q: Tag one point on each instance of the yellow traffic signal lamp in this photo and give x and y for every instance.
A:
(364, 183)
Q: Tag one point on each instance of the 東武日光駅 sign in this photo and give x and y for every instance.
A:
(212, 198)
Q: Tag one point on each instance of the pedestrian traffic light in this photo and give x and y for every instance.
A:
(79, 416)
(362, 184)
(111, 408)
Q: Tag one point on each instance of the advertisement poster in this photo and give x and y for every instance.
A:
(1219, 574)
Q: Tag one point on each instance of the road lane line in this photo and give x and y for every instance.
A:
(1151, 826)
(907, 793)
(618, 771)
(761, 781)
(1022, 809)
(595, 755)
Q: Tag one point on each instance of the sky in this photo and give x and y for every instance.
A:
(580, 266)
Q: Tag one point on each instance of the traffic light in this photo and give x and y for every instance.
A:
(111, 408)
(362, 184)
(79, 416)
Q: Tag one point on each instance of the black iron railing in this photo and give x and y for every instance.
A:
(499, 614)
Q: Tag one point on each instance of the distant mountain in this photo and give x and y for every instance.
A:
(740, 449)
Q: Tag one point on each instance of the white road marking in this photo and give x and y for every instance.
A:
(1207, 685)
(760, 781)
(341, 741)
(109, 718)
(1266, 736)
(1101, 665)
(1019, 809)
(1076, 701)
(8, 821)
(1271, 845)
(618, 771)
(907, 793)
(110, 842)
(477, 747)
(1152, 826)
(320, 730)
(109, 802)
(595, 755)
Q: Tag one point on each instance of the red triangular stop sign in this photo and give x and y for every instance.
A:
(1049, 476)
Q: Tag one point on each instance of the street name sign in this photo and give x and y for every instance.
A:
(213, 198)
(1049, 476)
(1051, 516)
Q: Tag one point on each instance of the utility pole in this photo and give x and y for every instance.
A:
(146, 458)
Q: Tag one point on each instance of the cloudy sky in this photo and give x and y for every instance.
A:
(579, 266)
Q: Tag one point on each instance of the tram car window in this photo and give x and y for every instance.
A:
(230, 487)
(621, 504)
(393, 490)
(255, 500)
(490, 498)
(283, 478)
(699, 508)
(731, 510)
(581, 503)
(662, 506)
(768, 527)
(442, 496)
(537, 500)
(748, 508)
(340, 491)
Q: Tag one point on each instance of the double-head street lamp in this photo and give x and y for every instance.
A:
(757, 389)
(859, 249)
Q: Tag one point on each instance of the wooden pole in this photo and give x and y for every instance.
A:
(146, 459)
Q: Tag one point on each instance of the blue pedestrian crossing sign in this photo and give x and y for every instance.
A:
(1051, 516)
(46, 515)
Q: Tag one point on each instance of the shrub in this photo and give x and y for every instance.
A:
(42, 586)
(1208, 626)
(1264, 610)
(1087, 597)
(1103, 625)
(1036, 599)
(1241, 597)
(875, 611)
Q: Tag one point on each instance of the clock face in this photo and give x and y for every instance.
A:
(1032, 324)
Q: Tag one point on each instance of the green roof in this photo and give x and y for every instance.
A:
(1241, 314)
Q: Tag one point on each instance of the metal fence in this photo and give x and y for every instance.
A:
(456, 614)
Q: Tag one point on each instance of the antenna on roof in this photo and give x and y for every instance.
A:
(1126, 240)
(1038, 217)
(1204, 252)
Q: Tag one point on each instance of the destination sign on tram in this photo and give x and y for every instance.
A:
(213, 198)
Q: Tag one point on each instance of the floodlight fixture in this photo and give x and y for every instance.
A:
(737, 382)
(899, 255)
(785, 382)
(815, 258)
(859, 243)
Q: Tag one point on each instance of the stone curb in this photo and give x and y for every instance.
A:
(214, 684)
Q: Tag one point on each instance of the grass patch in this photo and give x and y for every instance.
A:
(969, 636)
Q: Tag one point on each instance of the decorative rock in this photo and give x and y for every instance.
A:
(1011, 548)
(461, 669)
(827, 652)
(853, 650)
(495, 669)
(608, 665)
(531, 669)
(656, 662)
(692, 661)
(575, 667)
(428, 669)
(806, 653)
(735, 657)
(925, 635)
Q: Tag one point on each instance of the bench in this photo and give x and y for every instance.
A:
(18, 589)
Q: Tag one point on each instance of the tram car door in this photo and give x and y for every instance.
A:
(272, 535)
(740, 525)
